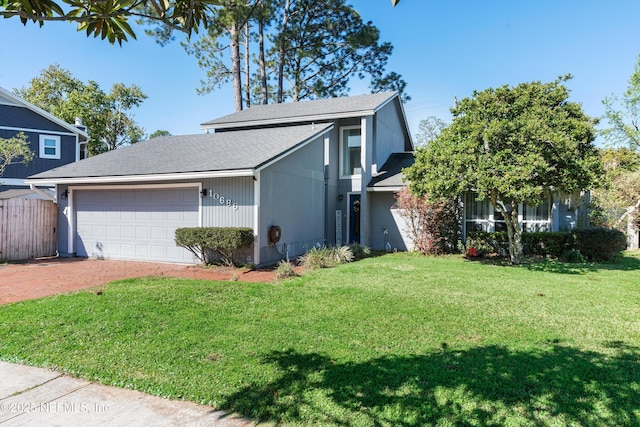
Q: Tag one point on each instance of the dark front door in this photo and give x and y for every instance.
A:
(354, 218)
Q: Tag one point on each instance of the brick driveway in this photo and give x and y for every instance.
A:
(40, 278)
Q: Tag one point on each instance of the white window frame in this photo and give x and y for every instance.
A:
(342, 159)
(489, 223)
(42, 153)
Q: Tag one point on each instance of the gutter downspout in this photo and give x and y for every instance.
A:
(42, 193)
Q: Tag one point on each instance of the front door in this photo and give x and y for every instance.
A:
(354, 218)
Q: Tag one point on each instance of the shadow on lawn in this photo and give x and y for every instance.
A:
(625, 263)
(485, 385)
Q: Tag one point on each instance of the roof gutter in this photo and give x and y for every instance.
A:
(139, 178)
(42, 193)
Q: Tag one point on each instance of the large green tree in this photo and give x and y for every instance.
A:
(14, 150)
(107, 116)
(623, 114)
(511, 145)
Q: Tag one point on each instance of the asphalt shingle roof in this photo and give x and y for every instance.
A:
(390, 175)
(226, 151)
(303, 111)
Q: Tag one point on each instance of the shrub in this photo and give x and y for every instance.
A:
(285, 269)
(486, 243)
(600, 244)
(318, 258)
(548, 243)
(222, 242)
(433, 226)
(325, 257)
(574, 256)
(359, 252)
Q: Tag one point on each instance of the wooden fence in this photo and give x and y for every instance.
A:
(28, 229)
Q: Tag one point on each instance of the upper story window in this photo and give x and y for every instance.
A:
(49, 147)
(350, 145)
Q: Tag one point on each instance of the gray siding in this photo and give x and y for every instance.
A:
(292, 196)
(228, 203)
(389, 136)
(385, 217)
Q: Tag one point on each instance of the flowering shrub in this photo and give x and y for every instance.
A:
(472, 252)
(433, 226)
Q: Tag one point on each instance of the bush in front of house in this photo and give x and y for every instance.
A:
(326, 257)
(432, 225)
(547, 243)
(487, 243)
(594, 244)
(221, 242)
(600, 244)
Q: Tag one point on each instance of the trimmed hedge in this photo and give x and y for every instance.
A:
(223, 242)
(594, 244)
(600, 244)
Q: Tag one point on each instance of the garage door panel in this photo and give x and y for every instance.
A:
(135, 224)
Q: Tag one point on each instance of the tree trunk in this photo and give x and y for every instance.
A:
(514, 232)
(282, 51)
(235, 65)
(247, 71)
(264, 88)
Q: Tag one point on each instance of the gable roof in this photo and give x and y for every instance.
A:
(305, 111)
(9, 98)
(390, 176)
(190, 156)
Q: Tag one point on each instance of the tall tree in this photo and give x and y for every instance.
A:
(429, 129)
(106, 115)
(322, 44)
(624, 121)
(219, 51)
(14, 150)
(511, 145)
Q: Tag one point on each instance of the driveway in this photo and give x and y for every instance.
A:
(40, 278)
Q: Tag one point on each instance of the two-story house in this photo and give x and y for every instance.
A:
(324, 171)
(54, 142)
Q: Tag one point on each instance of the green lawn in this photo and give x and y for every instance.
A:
(395, 340)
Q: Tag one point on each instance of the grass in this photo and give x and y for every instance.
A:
(396, 340)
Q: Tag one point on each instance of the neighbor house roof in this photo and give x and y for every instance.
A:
(304, 111)
(25, 194)
(9, 98)
(190, 156)
(390, 176)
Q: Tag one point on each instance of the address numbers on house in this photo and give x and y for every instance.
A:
(226, 201)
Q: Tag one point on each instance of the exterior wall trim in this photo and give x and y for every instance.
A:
(385, 189)
(43, 131)
(316, 118)
(138, 178)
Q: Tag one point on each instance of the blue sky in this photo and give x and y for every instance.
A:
(442, 49)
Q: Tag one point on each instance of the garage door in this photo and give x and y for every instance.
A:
(134, 224)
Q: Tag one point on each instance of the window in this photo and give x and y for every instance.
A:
(49, 147)
(537, 218)
(482, 216)
(350, 144)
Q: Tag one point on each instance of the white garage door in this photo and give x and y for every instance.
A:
(134, 224)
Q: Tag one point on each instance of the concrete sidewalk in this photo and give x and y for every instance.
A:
(39, 397)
